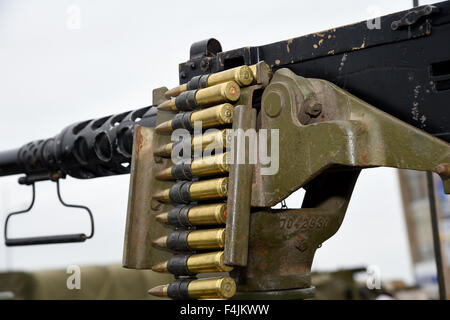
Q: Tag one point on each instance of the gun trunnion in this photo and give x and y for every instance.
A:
(337, 101)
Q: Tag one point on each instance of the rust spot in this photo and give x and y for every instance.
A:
(140, 141)
(364, 158)
(293, 270)
(320, 41)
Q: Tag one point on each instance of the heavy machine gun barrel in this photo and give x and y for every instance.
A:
(87, 149)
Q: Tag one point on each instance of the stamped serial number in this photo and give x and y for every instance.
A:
(303, 223)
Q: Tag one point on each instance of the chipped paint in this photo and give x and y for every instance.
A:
(341, 65)
(363, 45)
(315, 46)
(288, 49)
(415, 111)
(417, 91)
(277, 62)
(422, 120)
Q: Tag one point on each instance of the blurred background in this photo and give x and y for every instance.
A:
(67, 61)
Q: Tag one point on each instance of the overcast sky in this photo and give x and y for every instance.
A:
(55, 71)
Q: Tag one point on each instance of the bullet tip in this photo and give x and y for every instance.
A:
(160, 242)
(165, 127)
(162, 217)
(159, 196)
(164, 174)
(160, 152)
(171, 93)
(159, 291)
(165, 106)
(160, 267)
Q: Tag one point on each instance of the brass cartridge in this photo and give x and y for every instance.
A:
(207, 166)
(209, 118)
(182, 240)
(189, 100)
(214, 288)
(214, 139)
(242, 75)
(187, 191)
(187, 216)
(192, 264)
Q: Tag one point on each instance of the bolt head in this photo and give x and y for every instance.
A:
(314, 110)
(273, 104)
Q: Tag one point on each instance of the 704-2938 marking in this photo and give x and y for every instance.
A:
(303, 223)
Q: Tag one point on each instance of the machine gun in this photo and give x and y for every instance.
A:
(247, 127)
